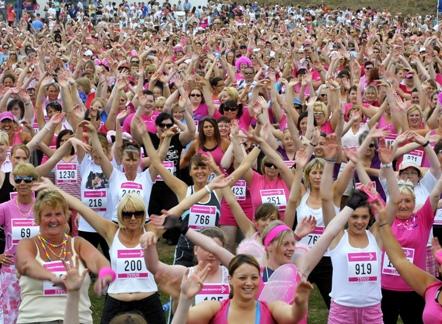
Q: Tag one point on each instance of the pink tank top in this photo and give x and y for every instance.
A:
(433, 310)
(263, 314)
(217, 153)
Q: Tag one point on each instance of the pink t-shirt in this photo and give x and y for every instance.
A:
(383, 123)
(17, 222)
(264, 190)
(412, 234)
(433, 310)
(149, 121)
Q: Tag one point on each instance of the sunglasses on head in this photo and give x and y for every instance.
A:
(195, 95)
(26, 179)
(165, 125)
(270, 165)
(129, 214)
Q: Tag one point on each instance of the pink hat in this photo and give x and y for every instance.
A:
(133, 53)
(7, 115)
(242, 60)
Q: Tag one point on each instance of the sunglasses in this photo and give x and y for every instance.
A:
(129, 214)
(26, 179)
(165, 125)
(195, 95)
(372, 145)
(270, 165)
(230, 108)
(135, 62)
(323, 95)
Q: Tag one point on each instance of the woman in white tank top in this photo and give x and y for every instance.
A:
(134, 288)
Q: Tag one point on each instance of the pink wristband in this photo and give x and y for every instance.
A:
(438, 256)
(107, 271)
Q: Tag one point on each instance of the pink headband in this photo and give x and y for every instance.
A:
(273, 233)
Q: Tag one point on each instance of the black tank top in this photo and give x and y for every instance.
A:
(6, 189)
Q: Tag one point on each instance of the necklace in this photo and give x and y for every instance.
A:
(47, 246)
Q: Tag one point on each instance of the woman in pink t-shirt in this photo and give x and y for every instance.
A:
(419, 280)
(411, 229)
(17, 220)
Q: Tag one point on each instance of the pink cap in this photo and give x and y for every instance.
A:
(7, 115)
(133, 53)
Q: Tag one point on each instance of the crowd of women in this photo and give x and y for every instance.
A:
(276, 147)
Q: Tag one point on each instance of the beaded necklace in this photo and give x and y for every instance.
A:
(47, 247)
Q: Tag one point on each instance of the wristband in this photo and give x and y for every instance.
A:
(426, 144)
(107, 271)
(208, 189)
(386, 165)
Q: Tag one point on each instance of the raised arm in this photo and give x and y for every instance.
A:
(106, 165)
(244, 223)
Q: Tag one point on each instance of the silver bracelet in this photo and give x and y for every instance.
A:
(386, 165)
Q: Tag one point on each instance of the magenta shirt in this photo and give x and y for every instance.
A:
(149, 121)
(412, 234)
(263, 190)
(16, 224)
(433, 310)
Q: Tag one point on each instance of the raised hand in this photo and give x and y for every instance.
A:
(220, 182)
(301, 158)
(42, 184)
(192, 284)
(73, 279)
(148, 239)
(331, 147)
(57, 118)
(77, 144)
(303, 291)
(386, 152)
(306, 226)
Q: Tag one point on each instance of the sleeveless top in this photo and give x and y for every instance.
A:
(44, 302)
(6, 189)
(356, 280)
(304, 210)
(263, 314)
(217, 153)
(202, 215)
(433, 310)
(130, 268)
(217, 291)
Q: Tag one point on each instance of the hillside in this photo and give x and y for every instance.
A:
(421, 7)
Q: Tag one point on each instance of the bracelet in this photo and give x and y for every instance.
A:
(426, 144)
(383, 224)
(107, 271)
(386, 165)
(330, 160)
(297, 238)
(208, 189)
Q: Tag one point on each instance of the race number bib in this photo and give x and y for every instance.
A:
(275, 197)
(438, 217)
(289, 163)
(49, 289)
(95, 199)
(23, 228)
(66, 173)
(201, 216)
(130, 188)
(313, 237)
(387, 266)
(389, 139)
(415, 157)
(362, 266)
(217, 292)
(239, 190)
(130, 264)
(170, 166)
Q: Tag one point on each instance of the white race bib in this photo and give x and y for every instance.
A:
(170, 166)
(387, 266)
(274, 196)
(130, 264)
(23, 228)
(415, 157)
(313, 237)
(217, 292)
(438, 217)
(362, 266)
(130, 188)
(49, 289)
(289, 163)
(201, 216)
(66, 173)
(95, 199)
(239, 190)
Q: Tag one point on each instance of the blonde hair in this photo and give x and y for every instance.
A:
(406, 187)
(232, 92)
(85, 83)
(52, 199)
(316, 163)
(25, 169)
(281, 237)
(131, 201)
(100, 100)
(319, 106)
(414, 107)
(4, 138)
